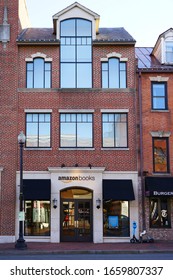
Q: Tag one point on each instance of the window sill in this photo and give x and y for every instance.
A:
(161, 174)
(38, 149)
(160, 111)
(76, 149)
(115, 149)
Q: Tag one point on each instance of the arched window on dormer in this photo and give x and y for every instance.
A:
(76, 53)
(114, 72)
(38, 73)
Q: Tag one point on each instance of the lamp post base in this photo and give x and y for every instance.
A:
(20, 244)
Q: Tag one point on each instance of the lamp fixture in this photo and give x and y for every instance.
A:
(54, 203)
(98, 203)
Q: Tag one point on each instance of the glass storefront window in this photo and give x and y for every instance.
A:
(116, 218)
(37, 218)
(159, 213)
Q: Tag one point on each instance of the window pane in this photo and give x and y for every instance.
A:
(29, 66)
(154, 213)
(169, 52)
(38, 73)
(32, 135)
(84, 135)
(68, 75)
(29, 81)
(68, 53)
(68, 135)
(160, 155)
(84, 75)
(120, 135)
(68, 27)
(108, 135)
(44, 135)
(83, 27)
(113, 73)
(158, 103)
(159, 213)
(116, 218)
(37, 218)
(84, 54)
(123, 79)
(158, 90)
(47, 80)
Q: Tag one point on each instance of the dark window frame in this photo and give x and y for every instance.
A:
(107, 72)
(114, 138)
(76, 45)
(38, 146)
(76, 135)
(164, 97)
(159, 218)
(167, 154)
(33, 73)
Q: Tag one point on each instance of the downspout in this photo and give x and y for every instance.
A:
(141, 153)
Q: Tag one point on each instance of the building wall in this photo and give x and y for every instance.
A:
(154, 121)
(16, 100)
(95, 99)
(8, 124)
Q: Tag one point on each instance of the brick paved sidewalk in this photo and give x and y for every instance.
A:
(69, 247)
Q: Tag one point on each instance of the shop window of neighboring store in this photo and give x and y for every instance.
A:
(116, 218)
(160, 213)
(37, 218)
(159, 96)
(38, 130)
(114, 74)
(160, 155)
(76, 53)
(114, 130)
(38, 73)
(76, 130)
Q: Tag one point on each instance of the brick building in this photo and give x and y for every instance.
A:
(71, 90)
(155, 92)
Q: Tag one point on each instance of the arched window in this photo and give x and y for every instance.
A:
(76, 53)
(114, 73)
(38, 73)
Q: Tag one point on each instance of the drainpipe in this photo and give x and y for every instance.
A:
(141, 153)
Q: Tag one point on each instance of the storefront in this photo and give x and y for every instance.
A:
(159, 191)
(79, 205)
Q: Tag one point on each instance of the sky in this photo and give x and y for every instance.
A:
(145, 20)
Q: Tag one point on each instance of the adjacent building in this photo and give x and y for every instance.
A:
(155, 92)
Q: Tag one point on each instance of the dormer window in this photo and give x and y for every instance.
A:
(76, 53)
(169, 52)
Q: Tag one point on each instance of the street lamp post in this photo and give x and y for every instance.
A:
(20, 243)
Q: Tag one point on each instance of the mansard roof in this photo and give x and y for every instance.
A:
(146, 61)
(46, 35)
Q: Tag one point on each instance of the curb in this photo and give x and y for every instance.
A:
(78, 252)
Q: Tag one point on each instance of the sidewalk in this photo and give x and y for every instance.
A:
(89, 248)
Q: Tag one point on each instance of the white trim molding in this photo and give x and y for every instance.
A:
(160, 133)
(38, 54)
(159, 79)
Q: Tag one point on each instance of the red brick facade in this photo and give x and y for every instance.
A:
(16, 100)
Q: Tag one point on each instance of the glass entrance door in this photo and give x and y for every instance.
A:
(76, 220)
